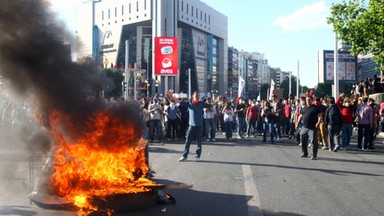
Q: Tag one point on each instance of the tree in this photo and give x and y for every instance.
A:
(285, 85)
(360, 25)
(263, 91)
(114, 86)
(323, 90)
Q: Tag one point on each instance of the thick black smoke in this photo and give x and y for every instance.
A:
(35, 58)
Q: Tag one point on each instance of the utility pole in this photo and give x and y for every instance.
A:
(335, 74)
(134, 83)
(189, 84)
(126, 77)
(290, 84)
(298, 81)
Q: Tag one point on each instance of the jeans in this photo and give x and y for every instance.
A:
(269, 126)
(156, 128)
(194, 133)
(277, 129)
(228, 129)
(240, 125)
(363, 131)
(346, 134)
(252, 123)
(210, 124)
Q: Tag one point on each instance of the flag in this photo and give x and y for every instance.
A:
(258, 97)
(272, 89)
(241, 85)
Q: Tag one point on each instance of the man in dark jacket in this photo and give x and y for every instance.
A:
(333, 122)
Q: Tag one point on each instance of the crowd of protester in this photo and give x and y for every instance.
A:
(273, 120)
(327, 122)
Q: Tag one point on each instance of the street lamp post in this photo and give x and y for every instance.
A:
(157, 85)
(148, 79)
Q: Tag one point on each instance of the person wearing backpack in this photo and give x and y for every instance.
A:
(334, 123)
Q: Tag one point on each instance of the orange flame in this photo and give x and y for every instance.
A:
(106, 158)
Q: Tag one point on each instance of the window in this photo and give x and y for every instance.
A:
(192, 10)
(187, 8)
(122, 10)
(115, 11)
(201, 15)
(137, 5)
(102, 15)
(182, 6)
(129, 8)
(197, 13)
(205, 17)
(109, 14)
(145, 4)
(209, 19)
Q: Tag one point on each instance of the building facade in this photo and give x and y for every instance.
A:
(367, 68)
(104, 26)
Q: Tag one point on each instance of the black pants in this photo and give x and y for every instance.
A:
(363, 131)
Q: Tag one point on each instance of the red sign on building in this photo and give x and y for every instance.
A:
(166, 56)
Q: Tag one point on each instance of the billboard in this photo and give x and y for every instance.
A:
(166, 56)
(346, 69)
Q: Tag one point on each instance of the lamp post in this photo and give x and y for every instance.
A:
(148, 82)
(148, 86)
(157, 85)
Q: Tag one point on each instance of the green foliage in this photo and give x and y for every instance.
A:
(285, 85)
(116, 77)
(323, 90)
(263, 91)
(361, 25)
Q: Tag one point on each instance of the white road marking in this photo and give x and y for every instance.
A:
(254, 205)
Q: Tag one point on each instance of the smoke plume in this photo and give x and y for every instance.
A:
(35, 61)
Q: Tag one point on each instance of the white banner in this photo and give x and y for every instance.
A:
(241, 85)
(272, 89)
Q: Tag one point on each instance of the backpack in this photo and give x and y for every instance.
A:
(333, 116)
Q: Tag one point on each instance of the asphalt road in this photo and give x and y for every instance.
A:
(241, 177)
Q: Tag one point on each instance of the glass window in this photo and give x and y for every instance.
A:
(182, 6)
(115, 11)
(197, 13)
(192, 10)
(137, 5)
(102, 15)
(109, 14)
(214, 50)
(122, 10)
(145, 4)
(187, 8)
(129, 8)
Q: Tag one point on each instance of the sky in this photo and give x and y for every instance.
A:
(288, 32)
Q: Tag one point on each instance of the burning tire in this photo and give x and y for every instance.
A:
(126, 202)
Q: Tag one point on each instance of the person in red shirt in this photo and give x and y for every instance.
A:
(381, 113)
(287, 118)
(347, 109)
(251, 118)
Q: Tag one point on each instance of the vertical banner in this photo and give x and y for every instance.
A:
(271, 92)
(241, 85)
(166, 56)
